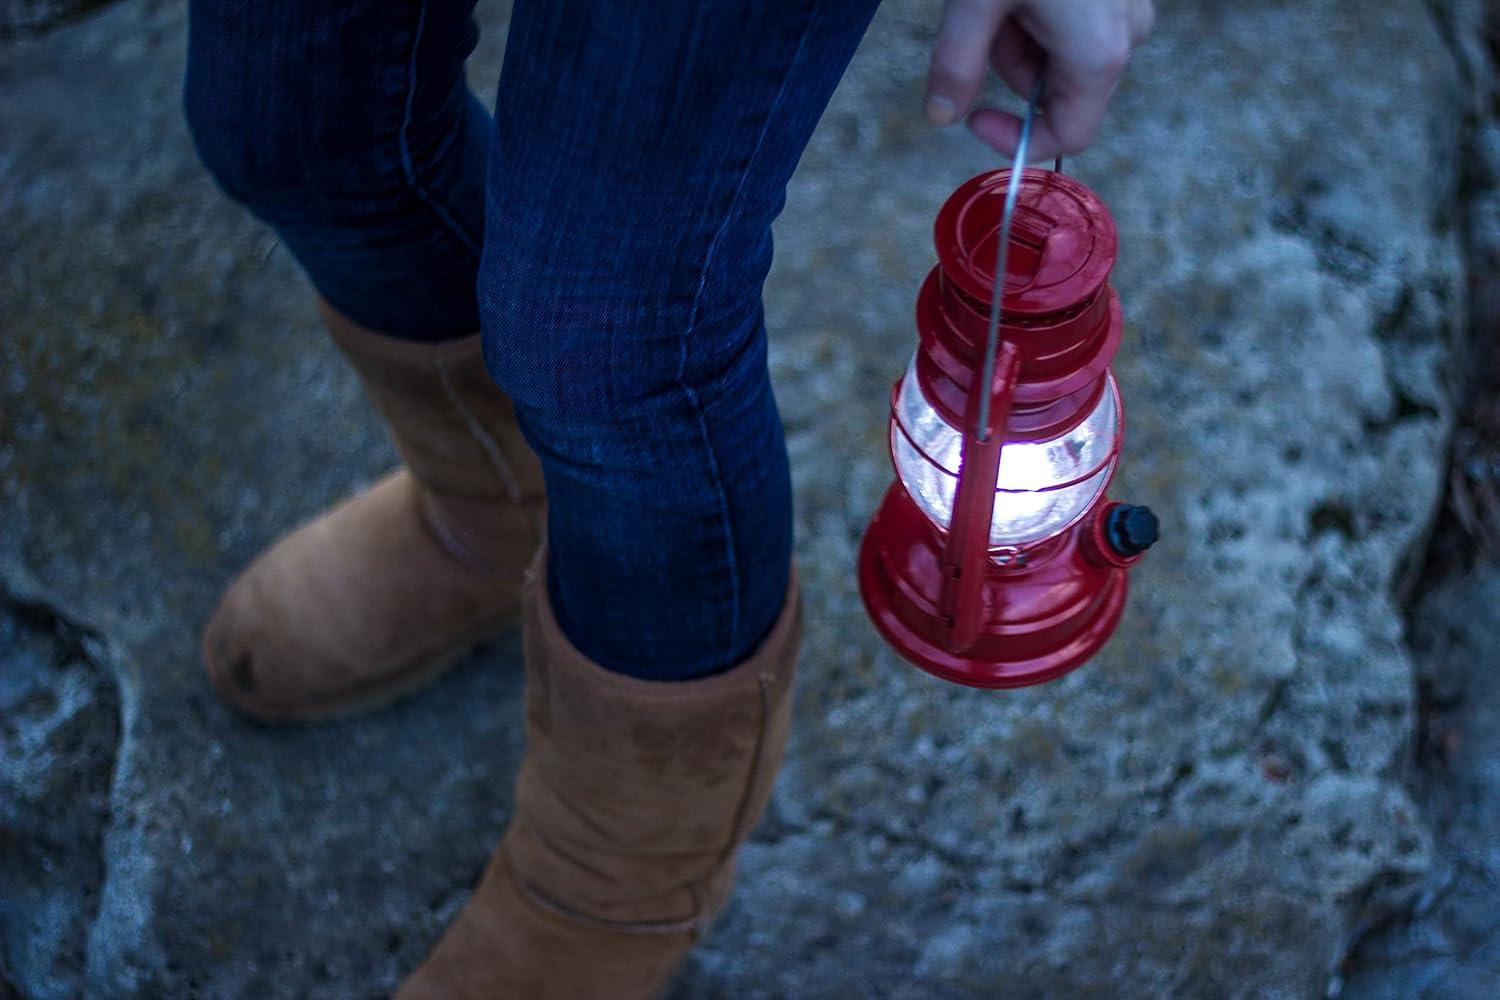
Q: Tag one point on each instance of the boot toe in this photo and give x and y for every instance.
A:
(230, 662)
(352, 610)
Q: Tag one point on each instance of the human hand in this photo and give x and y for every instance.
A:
(1084, 44)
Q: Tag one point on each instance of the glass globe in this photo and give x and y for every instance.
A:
(1043, 486)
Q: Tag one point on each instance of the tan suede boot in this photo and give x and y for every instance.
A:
(632, 801)
(375, 597)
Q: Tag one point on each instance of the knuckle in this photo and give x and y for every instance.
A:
(1113, 50)
(945, 78)
(954, 68)
(1143, 19)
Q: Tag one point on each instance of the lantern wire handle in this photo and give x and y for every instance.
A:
(1012, 192)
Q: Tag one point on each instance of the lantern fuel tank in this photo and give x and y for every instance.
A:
(996, 558)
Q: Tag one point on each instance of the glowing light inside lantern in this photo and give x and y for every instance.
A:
(1043, 487)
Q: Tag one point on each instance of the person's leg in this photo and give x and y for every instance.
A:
(346, 125)
(639, 161)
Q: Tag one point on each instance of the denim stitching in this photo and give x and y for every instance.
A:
(408, 169)
(692, 395)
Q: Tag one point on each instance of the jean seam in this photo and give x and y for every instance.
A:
(408, 167)
(685, 339)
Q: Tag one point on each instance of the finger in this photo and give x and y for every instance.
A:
(1142, 19)
(1072, 111)
(1001, 130)
(1067, 123)
(960, 57)
(1016, 58)
(1083, 69)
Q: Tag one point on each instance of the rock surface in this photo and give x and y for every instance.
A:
(29, 16)
(59, 731)
(1211, 808)
(1450, 946)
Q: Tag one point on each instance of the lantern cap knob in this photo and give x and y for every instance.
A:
(1131, 530)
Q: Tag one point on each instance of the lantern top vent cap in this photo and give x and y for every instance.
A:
(1063, 242)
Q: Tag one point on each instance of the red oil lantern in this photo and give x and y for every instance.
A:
(995, 559)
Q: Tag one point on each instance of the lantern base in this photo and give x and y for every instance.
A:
(1044, 618)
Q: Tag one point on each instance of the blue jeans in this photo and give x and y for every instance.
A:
(608, 231)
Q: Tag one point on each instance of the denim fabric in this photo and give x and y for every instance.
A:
(638, 156)
(347, 127)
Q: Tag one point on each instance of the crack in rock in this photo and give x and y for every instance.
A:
(59, 738)
(1447, 941)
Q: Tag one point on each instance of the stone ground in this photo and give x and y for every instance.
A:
(1218, 806)
(1448, 944)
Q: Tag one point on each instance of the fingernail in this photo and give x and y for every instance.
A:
(940, 110)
